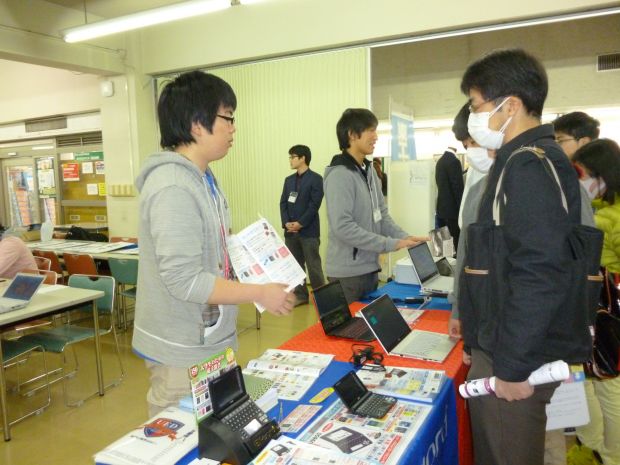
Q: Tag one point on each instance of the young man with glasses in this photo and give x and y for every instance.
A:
(574, 130)
(526, 328)
(187, 293)
(360, 227)
(300, 201)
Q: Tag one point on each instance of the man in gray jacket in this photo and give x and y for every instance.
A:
(360, 227)
(187, 295)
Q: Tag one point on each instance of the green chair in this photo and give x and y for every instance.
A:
(125, 272)
(13, 353)
(57, 339)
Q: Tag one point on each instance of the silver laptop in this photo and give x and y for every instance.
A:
(20, 291)
(425, 269)
(396, 338)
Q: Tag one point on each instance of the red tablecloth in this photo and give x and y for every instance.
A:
(314, 339)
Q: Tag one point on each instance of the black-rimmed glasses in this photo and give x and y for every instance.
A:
(230, 119)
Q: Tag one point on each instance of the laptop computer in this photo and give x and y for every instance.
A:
(359, 400)
(425, 269)
(334, 314)
(20, 291)
(233, 406)
(396, 338)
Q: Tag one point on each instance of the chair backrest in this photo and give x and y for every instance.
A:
(50, 276)
(124, 270)
(80, 264)
(52, 257)
(133, 240)
(43, 263)
(105, 304)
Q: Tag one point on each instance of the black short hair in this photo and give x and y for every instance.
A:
(459, 128)
(577, 124)
(192, 97)
(602, 158)
(301, 151)
(355, 120)
(507, 72)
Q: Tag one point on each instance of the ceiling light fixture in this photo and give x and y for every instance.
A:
(141, 19)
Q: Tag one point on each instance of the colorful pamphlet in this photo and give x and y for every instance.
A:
(164, 439)
(200, 375)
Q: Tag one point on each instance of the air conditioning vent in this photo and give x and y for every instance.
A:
(46, 124)
(608, 62)
(78, 140)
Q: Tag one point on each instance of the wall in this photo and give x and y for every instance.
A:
(276, 28)
(280, 104)
(426, 75)
(31, 91)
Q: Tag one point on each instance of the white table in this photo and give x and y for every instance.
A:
(50, 303)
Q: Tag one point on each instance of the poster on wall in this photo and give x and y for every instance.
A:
(99, 167)
(403, 142)
(71, 172)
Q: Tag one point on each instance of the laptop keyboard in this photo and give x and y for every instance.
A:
(240, 417)
(376, 406)
(355, 330)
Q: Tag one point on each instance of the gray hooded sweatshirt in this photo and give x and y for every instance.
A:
(181, 254)
(355, 239)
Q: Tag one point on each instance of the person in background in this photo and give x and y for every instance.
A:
(187, 292)
(449, 179)
(360, 227)
(480, 161)
(376, 163)
(300, 201)
(599, 164)
(574, 130)
(517, 334)
(14, 255)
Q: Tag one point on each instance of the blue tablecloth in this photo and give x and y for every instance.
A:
(398, 292)
(435, 443)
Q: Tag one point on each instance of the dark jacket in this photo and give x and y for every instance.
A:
(450, 185)
(305, 210)
(535, 227)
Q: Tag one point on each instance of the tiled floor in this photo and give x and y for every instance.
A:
(71, 435)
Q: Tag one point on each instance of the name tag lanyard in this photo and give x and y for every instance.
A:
(219, 202)
(368, 176)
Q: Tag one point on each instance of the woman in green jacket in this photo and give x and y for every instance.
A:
(599, 165)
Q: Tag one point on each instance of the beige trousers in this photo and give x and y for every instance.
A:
(168, 385)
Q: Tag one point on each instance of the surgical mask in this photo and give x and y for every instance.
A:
(595, 187)
(479, 130)
(478, 159)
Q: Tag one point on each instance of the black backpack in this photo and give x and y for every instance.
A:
(80, 234)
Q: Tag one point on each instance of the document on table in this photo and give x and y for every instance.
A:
(259, 256)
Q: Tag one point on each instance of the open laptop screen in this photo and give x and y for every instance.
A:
(23, 286)
(331, 305)
(423, 262)
(226, 389)
(386, 321)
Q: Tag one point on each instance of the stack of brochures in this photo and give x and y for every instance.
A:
(407, 383)
(164, 439)
(292, 372)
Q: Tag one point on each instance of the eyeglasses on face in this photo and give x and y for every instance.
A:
(230, 119)
(561, 140)
(290, 157)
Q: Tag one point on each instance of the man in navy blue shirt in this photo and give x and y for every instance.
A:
(299, 210)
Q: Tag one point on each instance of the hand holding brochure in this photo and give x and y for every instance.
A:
(259, 256)
(548, 373)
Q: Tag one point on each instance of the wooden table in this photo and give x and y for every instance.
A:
(45, 302)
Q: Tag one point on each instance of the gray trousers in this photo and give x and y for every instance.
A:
(356, 287)
(306, 252)
(507, 433)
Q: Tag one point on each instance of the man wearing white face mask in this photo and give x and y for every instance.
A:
(526, 328)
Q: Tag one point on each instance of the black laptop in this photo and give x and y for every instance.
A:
(359, 400)
(335, 316)
(233, 406)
